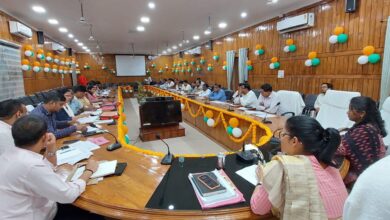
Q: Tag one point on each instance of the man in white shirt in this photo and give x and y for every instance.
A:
(246, 96)
(236, 95)
(320, 97)
(29, 187)
(179, 86)
(186, 86)
(268, 100)
(171, 84)
(10, 111)
(205, 91)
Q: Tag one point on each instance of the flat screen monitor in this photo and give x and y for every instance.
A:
(160, 113)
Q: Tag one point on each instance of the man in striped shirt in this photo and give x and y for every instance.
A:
(53, 103)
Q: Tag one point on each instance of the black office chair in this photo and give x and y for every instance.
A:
(40, 96)
(257, 92)
(34, 100)
(26, 100)
(229, 94)
(309, 100)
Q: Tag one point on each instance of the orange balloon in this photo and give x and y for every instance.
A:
(125, 129)
(61, 68)
(289, 41)
(47, 65)
(40, 51)
(274, 59)
(209, 114)
(312, 55)
(55, 57)
(215, 54)
(259, 46)
(55, 66)
(37, 63)
(368, 50)
(224, 62)
(248, 62)
(209, 64)
(338, 30)
(234, 122)
(124, 116)
(202, 58)
(25, 62)
(29, 47)
(49, 54)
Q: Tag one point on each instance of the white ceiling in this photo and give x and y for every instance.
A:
(114, 22)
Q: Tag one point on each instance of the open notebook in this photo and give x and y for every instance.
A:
(105, 168)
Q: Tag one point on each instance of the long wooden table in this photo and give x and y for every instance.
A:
(125, 196)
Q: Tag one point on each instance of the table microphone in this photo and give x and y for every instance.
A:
(168, 158)
(245, 156)
(115, 145)
(265, 121)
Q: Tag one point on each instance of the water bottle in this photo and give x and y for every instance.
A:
(221, 161)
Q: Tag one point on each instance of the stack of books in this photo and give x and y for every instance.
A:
(214, 189)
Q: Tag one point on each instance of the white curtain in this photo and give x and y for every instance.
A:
(385, 81)
(229, 67)
(242, 68)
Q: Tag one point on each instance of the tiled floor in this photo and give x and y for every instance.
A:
(193, 143)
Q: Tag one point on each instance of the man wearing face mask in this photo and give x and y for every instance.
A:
(53, 103)
(10, 111)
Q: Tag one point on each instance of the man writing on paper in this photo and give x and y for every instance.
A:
(29, 187)
(53, 103)
(246, 96)
(268, 100)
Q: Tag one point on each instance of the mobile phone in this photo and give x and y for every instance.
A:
(70, 141)
(120, 167)
(64, 147)
(208, 181)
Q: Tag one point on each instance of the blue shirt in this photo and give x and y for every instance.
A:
(218, 96)
(75, 105)
(60, 129)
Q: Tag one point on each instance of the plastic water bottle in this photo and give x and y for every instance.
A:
(181, 161)
(221, 161)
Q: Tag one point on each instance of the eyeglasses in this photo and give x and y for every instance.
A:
(281, 134)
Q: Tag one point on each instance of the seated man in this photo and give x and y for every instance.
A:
(29, 187)
(320, 97)
(186, 86)
(53, 103)
(163, 84)
(10, 110)
(218, 94)
(247, 97)
(170, 84)
(205, 91)
(179, 86)
(268, 100)
(236, 95)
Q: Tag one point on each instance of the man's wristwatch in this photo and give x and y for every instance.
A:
(50, 154)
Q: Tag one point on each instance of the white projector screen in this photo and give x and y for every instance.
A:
(130, 65)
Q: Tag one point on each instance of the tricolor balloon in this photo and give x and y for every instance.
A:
(49, 57)
(274, 63)
(291, 47)
(202, 60)
(249, 65)
(40, 54)
(46, 68)
(26, 65)
(313, 60)
(338, 36)
(216, 56)
(193, 62)
(369, 56)
(54, 69)
(36, 67)
(28, 51)
(198, 68)
(259, 50)
(224, 67)
(210, 68)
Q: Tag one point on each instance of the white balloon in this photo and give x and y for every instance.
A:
(25, 67)
(67, 63)
(286, 49)
(62, 62)
(65, 71)
(56, 60)
(48, 59)
(272, 66)
(36, 69)
(54, 70)
(46, 69)
(333, 39)
(363, 60)
(77, 65)
(61, 71)
(210, 122)
(308, 62)
(257, 52)
(28, 53)
(237, 132)
(39, 56)
(182, 106)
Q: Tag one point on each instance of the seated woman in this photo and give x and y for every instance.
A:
(363, 144)
(91, 93)
(303, 184)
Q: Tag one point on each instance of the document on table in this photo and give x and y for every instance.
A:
(218, 102)
(105, 168)
(84, 146)
(104, 121)
(249, 174)
(260, 114)
(71, 155)
(87, 120)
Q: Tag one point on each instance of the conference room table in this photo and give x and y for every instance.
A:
(126, 196)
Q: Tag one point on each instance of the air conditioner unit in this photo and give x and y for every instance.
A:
(57, 47)
(296, 23)
(19, 29)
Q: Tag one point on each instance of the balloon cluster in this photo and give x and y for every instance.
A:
(198, 68)
(369, 56)
(216, 56)
(259, 50)
(174, 65)
(160, 70)
(49, 57)
(224, 67)
(193, 62)
(210, 67)
(166, 67)
(87, 66)
(274, 63)
(338, 36)
(179, 64)
(183, 69)
(28, 51)
(185, 63)
(189, 70)
(202, 61)
(313, 60)
(249, 65)
(233, 128)
(41, 54)
(291, 47)
(208, 118)
(153, 65)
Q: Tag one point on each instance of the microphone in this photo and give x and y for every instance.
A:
(265, 121)
(245, 156)
(110, 147)
(168, 158)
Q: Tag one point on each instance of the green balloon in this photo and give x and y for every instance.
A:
(124, 123)
(250, 68)
(292, 48)
(205, 119)
(229, 130)
(276, 65)
(315, 62)
(374, 58)
(342, 38)
(261, 52)
(127, 139)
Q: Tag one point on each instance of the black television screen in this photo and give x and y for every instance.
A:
(160, 113)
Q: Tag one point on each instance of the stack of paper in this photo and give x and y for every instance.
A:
(98, 140)
(84, 146)
(97, 112)
(104, 121)
(87, 120)
(260, 114)
(218, 102)
(77, 151)
(249, 174)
